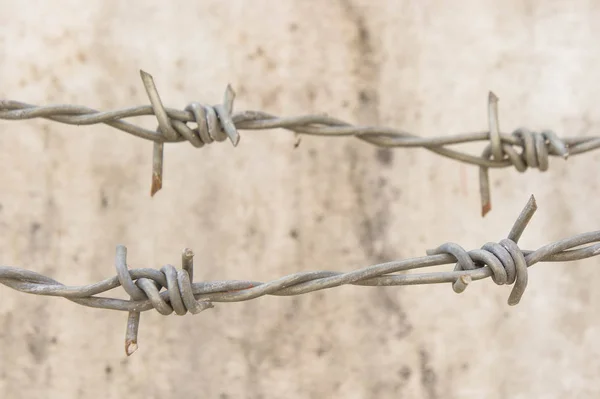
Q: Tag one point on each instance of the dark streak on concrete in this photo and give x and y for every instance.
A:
(293, 309)
(369, 186)
(371, 228)
(37, 349)
(428, 375)
(401, 325)
(384, 156)
(103, 200)
(37, 240)
(405, 373)
(37, 339)
(34, 228)
(367, 74)
(322, 350)
(366, 68)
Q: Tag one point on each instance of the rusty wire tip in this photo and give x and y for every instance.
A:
(156, 184)
(187, 253)
(157, 168)
(130, 347)
(486, 207)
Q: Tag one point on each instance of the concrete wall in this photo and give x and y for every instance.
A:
(70, 194)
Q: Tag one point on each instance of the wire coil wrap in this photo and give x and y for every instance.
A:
(178, 284)
(505, 260)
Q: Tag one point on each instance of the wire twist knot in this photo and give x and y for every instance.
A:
(505, 259)
(213, 123)
(177, 282)
(536, 148)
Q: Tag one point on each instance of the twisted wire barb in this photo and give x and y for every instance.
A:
(522, 148)
(170, 290)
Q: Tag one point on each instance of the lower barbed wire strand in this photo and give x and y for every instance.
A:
(521, 149)
(33, 283)
(171, 290)
(295, 284)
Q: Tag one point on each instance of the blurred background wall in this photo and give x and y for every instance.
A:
(70, 194)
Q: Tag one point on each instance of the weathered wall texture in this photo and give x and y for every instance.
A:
(265, 209)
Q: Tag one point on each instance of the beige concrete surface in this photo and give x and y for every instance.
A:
(69, 195)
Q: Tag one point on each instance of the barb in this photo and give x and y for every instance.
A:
(170, 290)
(522, 149)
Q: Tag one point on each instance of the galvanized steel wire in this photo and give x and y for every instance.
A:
(171, 290)
(522, 148)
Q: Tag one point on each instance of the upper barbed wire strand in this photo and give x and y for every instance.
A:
(216, 123)
(504, 262)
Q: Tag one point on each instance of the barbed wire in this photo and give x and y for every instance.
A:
(522, 149)
(170, 290)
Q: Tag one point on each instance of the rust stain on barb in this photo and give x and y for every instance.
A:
(157, 168)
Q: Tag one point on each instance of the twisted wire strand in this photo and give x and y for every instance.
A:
(521, 149)
(170, 290)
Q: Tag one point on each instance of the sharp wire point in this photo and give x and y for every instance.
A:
(156, 184)
(157, 168)
(486, 208)
(130, 348)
